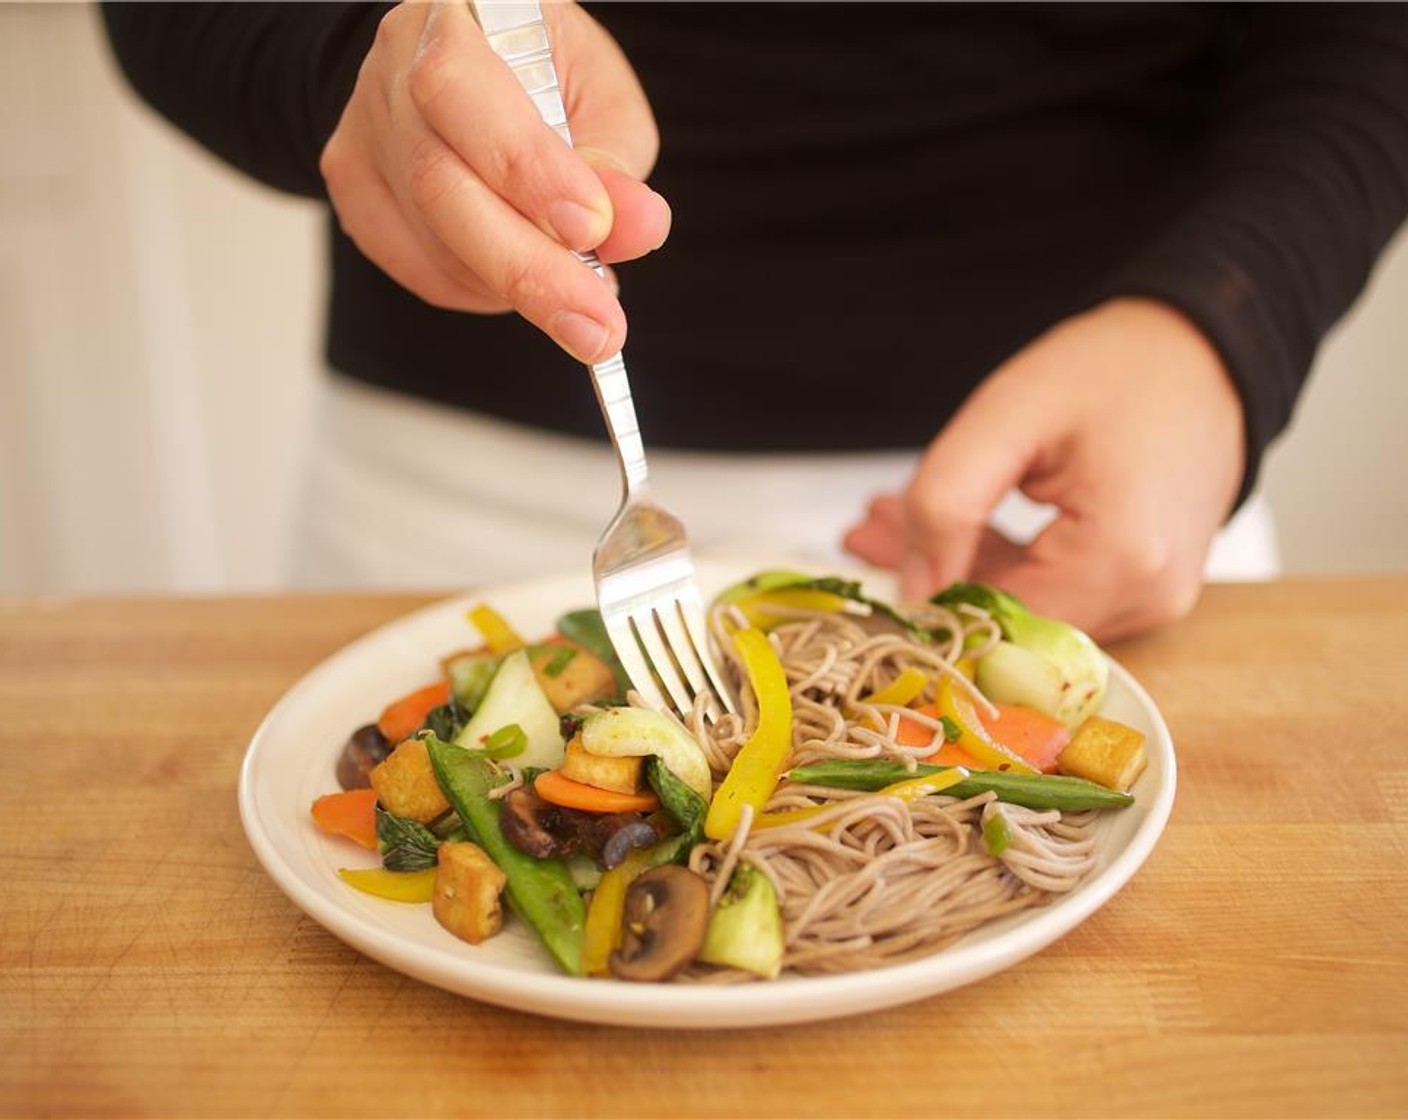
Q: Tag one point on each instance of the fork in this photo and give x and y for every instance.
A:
(646, 589)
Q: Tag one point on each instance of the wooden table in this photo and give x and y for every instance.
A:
(1256, 966)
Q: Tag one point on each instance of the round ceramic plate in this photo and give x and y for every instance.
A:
(291, 761)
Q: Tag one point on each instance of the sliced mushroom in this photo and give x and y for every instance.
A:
(623, 833)
(526, 824)
(365, 750)
(665, 918)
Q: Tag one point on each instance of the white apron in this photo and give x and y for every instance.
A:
(403, 493)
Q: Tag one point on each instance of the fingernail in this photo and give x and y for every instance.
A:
(577, 226)
(584, 337)
(669, 220)
(915, 576)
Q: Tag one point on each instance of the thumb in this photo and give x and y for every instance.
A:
(992, 443)
(613, 130)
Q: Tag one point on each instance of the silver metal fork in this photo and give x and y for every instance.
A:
(645, 580)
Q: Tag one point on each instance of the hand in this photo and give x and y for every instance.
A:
(444, 175)
(1123, 418)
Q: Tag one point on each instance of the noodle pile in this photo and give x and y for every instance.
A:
(872, 879)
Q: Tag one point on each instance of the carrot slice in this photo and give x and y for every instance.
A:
(351, 813)
(403, 718)
(913, 733)
(1035, 736)
(556, 787)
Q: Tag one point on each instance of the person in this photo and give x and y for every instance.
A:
(1084, 253)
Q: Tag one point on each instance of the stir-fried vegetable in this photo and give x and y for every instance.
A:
(403, 718)
(351, 813)
(745, 929)
(957, 709)
(759, 762)
(499, 636)
(1035, 791)
(603, 928)
(515, 697)
(1041, 662)
(608, 802)
(540, 891)
(398, 886)
(639, 733)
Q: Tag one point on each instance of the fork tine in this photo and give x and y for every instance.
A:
(662, 658)
(623, 640)
(686, 655)
(691, 605)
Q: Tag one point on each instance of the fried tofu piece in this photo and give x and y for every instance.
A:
(571, 679)
(405, 783)
(619, 774)
(467, 889)
(1106, 752)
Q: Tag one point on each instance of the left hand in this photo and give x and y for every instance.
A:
(1125, 419)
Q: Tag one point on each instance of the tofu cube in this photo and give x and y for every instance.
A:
(405, 783)
(578, 678)
(1103, 751)
(467, 889)
(619, 774)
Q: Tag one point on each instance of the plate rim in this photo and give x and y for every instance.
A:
(783, 1001)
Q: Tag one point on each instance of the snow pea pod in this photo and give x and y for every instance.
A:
(540, 891)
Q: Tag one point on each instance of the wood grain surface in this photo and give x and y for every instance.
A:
(1256, 966)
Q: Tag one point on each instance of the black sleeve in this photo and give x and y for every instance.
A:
(1302, 182)
(261, 85)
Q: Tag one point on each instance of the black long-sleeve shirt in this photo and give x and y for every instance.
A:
(874, 204)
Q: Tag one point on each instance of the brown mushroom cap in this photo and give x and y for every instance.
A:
(524, 825)
(665, 918)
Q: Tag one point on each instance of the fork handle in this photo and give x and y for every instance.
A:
(516, 33)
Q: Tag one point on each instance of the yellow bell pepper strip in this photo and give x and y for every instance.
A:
(758, 765)
(602, 934)
(902, 689)
(768, 609)
(973, 739)
(399, 886)
(911, 789)
(498, 635)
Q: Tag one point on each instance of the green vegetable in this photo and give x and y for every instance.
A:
(1035, 791)
(446, 721)
(448, 827)
(405, 845)
(952, 732)
(997, 834)
(640, 733)
(540, 891)
(470, 675)
(586, 628)
(1043, 663)
(745, 929)
(508, 741)
(515, 696)
(686, 807)
(850, 589)
(781, 579)
(559, 661)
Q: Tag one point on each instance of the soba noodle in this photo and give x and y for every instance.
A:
(873, 879)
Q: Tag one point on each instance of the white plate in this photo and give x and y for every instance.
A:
(292, 758)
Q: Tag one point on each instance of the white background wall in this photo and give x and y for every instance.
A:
(159, 348)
